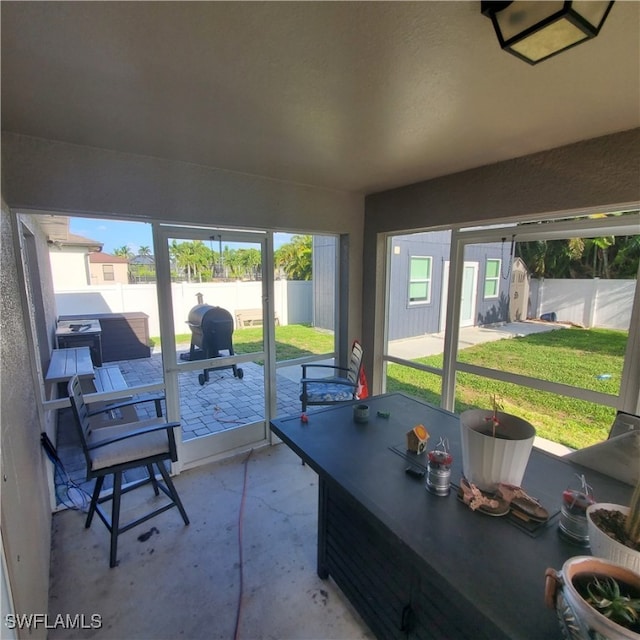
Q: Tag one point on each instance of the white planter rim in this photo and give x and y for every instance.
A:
(509, 427)
(487, 461)
(606, 547)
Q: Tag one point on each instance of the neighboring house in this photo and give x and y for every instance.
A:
(142, 269)
(68, 253)
(107, 269)
(419, 280)
(77, 261)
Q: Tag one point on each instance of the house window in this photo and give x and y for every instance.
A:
(108, 273)
(492, 279)
(419, 279)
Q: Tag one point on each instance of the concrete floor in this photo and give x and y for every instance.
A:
(184, 581)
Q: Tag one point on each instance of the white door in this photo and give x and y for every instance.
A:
(469, 295)
(216, 384)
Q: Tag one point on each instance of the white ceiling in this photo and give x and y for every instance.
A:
(357, 96)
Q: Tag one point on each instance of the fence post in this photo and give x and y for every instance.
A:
(590, 305)
(539, 301)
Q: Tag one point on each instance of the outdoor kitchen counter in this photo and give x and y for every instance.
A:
(419, 565)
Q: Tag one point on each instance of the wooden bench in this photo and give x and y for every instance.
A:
(66, 363)
(251, 318)
(111, 379)
(108, 379)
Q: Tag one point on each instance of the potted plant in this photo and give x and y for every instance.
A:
(613, 601)
(595, 599)
(495, 446)
(614, 531)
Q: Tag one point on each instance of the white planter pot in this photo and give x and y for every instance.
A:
(578, 619)
(603, 546)
(487, 460)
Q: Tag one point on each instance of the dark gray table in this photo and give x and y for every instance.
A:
(418, 565)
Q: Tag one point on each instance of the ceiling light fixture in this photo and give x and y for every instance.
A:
(535, 31)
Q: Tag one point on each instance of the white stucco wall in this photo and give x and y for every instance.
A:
(26, 509)
(69, 267)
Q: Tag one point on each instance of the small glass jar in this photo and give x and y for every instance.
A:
(439, 472)
(573, 513)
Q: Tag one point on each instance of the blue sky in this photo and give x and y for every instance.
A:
(115, 233)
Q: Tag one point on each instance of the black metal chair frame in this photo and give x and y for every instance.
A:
(82, 420)
(349, 377)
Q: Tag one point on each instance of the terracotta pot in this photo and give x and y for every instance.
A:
(487, 460)
(578, 619)
(603, 546)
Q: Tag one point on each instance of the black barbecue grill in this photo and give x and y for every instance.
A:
(211, 333)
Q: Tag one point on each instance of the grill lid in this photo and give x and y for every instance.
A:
(197, 313)
(204, 315)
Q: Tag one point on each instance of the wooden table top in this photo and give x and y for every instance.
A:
(65, 363)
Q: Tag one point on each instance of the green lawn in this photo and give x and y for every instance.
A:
(292, 341)
(570, 356)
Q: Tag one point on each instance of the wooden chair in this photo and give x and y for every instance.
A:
(342, 386)
(115, 449)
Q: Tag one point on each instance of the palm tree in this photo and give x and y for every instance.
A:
(294, 258)
(627, 257)
(605, 256)
(232, 260)
(202, 258)
(144, 251)
(554, 258)
(123, 252)
(599, 248)
(179, 251)
(249, 261)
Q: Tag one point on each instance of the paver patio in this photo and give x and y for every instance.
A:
(224, 402)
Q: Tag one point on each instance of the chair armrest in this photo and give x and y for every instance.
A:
(342, 381)
(133, 434)
(128, 403)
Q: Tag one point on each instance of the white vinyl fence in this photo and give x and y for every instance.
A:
(293, 300)
(604, 304)
(590, 303)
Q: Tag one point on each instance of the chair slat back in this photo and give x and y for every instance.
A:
(81, 414)
(355, 362)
